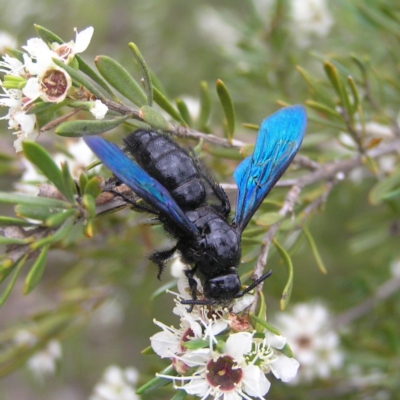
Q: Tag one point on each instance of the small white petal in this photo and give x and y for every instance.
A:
(99, 109)
(26, 122)
(165, 344)
(196, 357)
(197, 387)
(255, 382)
(232, 396)
(239, 344)
(243, 303)
(285, 368)
(32, 88)
(36, 46)
(18, 143)
(177, 268)
(83, 39)
(276, 341)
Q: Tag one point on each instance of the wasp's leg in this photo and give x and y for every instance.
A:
(160, 257)
(135, 205)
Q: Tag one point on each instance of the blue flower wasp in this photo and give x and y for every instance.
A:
(176, 188)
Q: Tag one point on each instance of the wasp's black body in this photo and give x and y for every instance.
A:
(214, 254)
(193, 208)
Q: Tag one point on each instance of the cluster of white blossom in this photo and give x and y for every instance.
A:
(116, 384)
(228, 357)
(36, 76)
(310, 18)
(313, 340)
(43, 363)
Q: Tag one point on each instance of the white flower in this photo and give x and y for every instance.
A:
(66, 51)
(237, 372)
(42, 54)
(309, 17)
(170, 341)
(17, 117)
(315, 345)
(99, 109)
(51, 85)
(43, 363)
(116, 384)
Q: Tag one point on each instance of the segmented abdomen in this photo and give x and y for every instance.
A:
(169, 164)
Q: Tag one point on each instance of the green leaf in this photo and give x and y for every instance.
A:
(83, 180)
(46, 35)
(35, 212)
(59, 218)
(227, 105)
(86, 69)
(38, 156)
(36, 271)
(90, 205)
(268, 219)
(310, 79)
(78, 78)
(92, 187)
(145, 72)
(18, 54)
(164, 103)
(262, 313)
(10, 221)
(205, 107)
(57, 236)
(231, 153)
(314, 249)
(371, 164)
(322, 108)
(88, 127)
(6, 267)
(287, 351)
(354, 92)
(179, 395)
(287, 290)
(264, 323)
(18, 267)
(9, 240)
(154, 118)
(11, 198)
(41, 106)
(336, 81)
(148, 351)
(120, 79)
(157, 382)
(184, 111)
(392, 195)
(69, 183)
(377, 194)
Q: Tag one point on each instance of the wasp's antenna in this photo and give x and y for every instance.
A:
(254, 284)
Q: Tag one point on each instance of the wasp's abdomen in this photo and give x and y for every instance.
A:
(169, 164)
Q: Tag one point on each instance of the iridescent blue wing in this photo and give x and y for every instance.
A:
(139, 181)
(278, 141)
